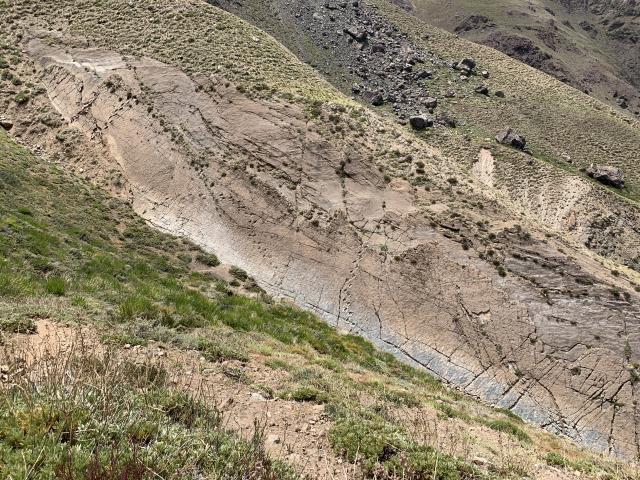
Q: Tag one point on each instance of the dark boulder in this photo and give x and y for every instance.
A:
(466, 65)
(356, 33)
(423, 75)
(510, 137)
(6, 124)
(377, 100)
(607, 174)
(482, 89)
(420, 122)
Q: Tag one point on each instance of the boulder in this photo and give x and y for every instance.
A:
(607, 175)
(420, 122)
(499, 94)
(430, 102)
(510, 137)
(482, 89)
(466, 65)
(423, 74)
(356, 33)
(6, 124)
(377, 100)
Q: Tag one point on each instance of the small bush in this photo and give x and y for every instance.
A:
(208, 259)
(137, 307)
(22, 97)
(17, 325)
(306, 394)
(239, 273)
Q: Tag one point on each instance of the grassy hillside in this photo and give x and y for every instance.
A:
(137, 285)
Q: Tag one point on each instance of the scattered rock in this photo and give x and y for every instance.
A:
(607, 175)
(377, 100)
(356, 33)
(466, 65)
(474, 22)
(485, 74)
(482, 89)
(499, 94)
(480, 461)
(510, 137)
(431, 102)
(273, 439)
(257, 397)
(445, 118)
(420, 122)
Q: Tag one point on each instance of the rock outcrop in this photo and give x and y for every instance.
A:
(607, 174)
(509, 137)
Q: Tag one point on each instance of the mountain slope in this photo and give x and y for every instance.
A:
(594, 46)
(187, 362)
(452, 253)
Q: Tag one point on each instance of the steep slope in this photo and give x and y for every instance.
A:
(593, 46)
(202, 376)
(380, 231)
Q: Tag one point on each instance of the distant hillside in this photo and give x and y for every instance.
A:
(593, 46)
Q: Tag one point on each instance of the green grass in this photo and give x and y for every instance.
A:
(508, 426)
(133, 427)
(386, 451)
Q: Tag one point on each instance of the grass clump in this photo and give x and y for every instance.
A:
(56, 286)
(306, 394)
(507, 426)
(17, 324)
(208, 259)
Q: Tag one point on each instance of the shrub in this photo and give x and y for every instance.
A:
(306, 394)
(22, 97)
(239, 273)
(208, 259)
(137, 307)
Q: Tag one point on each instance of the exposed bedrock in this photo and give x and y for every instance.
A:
(249, 180)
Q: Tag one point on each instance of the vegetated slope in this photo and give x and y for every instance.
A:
(346, 213)
(144, 289)
(593, 46)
